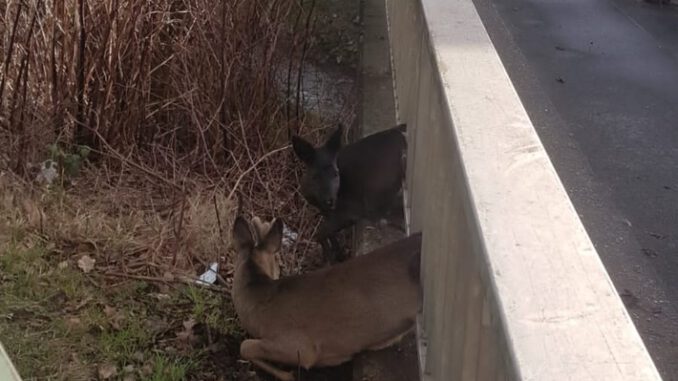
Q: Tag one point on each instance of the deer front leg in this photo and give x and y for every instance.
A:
(326, 235)
(291, 352)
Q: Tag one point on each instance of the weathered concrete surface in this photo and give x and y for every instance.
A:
(513, 287)
(398, 363)
(378, 107)
(599, 80)
(7, 370)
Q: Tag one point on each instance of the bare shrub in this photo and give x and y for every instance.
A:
(176, 78)
(180, 101)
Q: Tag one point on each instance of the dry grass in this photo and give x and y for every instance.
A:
(138, 229)
(186, 107)
(149, 240)
(180, 103)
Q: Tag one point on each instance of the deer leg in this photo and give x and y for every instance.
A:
(328, 248)
(328, 241)
(408, 325)
(275, 372)
(389, 342)
(336, 248)
(326, 235)
(292, 352)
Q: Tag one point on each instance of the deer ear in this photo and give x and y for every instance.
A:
(303, 149)
(274, 237)
(260, 228)
(333, 144)
(242, 235)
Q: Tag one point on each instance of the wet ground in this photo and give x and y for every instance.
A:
(599, 80)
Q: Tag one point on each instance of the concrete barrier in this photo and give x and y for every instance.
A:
(7, 370)
(513, 287)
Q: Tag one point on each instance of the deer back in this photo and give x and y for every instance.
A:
(372, 172)
(357, 178)
(343, 309)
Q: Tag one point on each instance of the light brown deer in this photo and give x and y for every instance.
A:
(322, 318)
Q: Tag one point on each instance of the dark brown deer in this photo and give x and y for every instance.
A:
(359, 181)
(322, 318)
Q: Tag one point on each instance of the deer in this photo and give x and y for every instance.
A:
(325, 317)
(346, 184)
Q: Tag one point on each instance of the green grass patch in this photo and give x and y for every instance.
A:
(167, 369)
(59, 323)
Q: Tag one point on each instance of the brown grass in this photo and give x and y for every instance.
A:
(178, 99)
(176, 78)
(187, 106)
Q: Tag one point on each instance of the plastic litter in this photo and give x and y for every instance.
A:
(289, 236)
(209, 276)
(48, 172)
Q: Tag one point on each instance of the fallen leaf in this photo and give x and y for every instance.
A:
(114, 317)
(107, 371)
(169, 350)
(109, 311)
(73, 322)
(86, 263)
(32, 212)
(186, 337)
(159, 296)
(189, 324)
(147, 370)
(138, 356)
(156, 325)
(63, 265)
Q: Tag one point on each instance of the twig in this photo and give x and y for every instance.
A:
(177, 231)
(182, 279)
(248, 170)
(80, 136)
(10, 49)
(222, 89)
(307, 31)
(125, 160)
(289, 70)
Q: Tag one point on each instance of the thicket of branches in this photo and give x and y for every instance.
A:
(178, 100)
(190, 81)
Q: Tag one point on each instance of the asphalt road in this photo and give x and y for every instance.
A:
(599, 79)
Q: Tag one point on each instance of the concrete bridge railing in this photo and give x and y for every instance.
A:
(7, 370)
(513, 287)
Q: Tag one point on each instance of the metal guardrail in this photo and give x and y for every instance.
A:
(513, 287)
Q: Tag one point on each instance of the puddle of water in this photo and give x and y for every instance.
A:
(326, 91)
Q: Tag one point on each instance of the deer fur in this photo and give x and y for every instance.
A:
(325, 317)
(359, 181)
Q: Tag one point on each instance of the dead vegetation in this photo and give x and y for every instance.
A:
(164, 119)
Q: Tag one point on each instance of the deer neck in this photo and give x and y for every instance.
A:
(251, 291)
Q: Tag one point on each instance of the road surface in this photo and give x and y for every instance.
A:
(599, 79)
